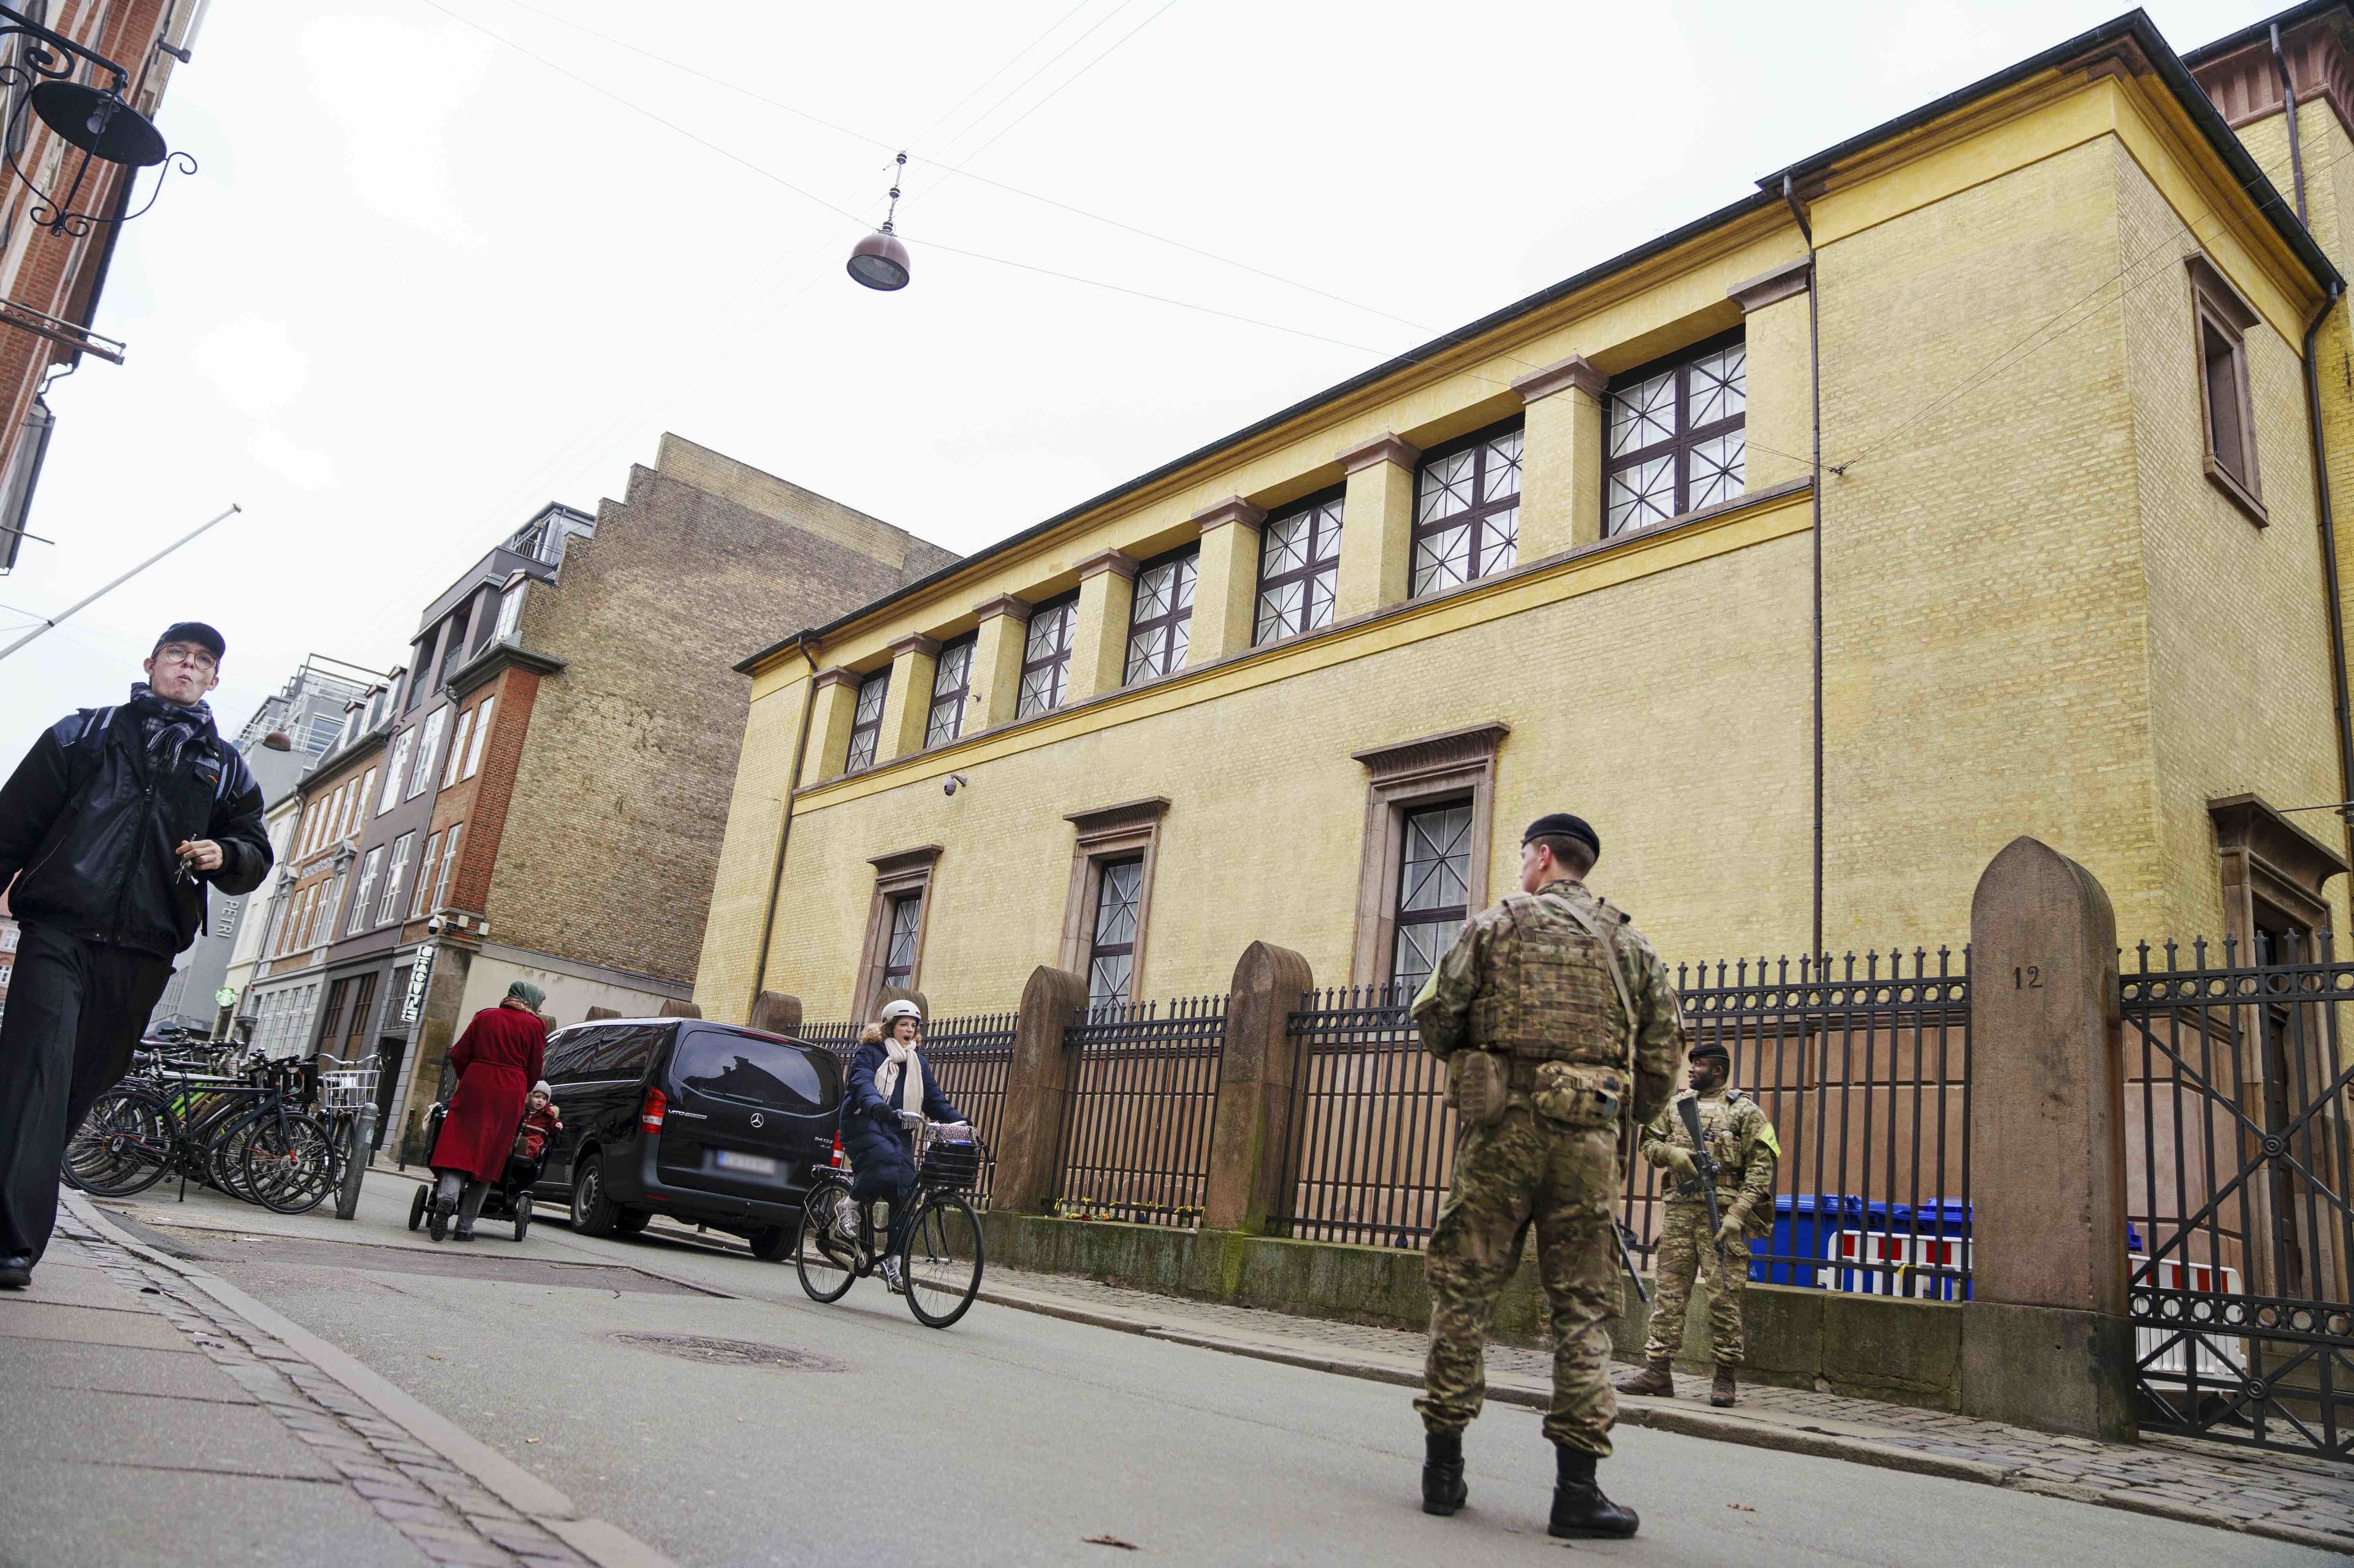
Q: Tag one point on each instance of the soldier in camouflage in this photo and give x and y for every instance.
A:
(1741, 1136)
(1560, 1034)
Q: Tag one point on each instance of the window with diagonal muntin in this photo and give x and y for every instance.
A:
(1675, 439)
(1434, 890)
(866, 723)
(1161, 626)
(1466, 510)
(1298, 565)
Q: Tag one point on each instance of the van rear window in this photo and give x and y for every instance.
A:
(750, 1071)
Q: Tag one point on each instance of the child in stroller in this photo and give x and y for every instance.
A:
(511, 1199)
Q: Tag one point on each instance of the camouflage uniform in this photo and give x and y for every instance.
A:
(1528, 981)
(1742, 1138)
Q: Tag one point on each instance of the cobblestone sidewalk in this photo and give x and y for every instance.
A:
(2280, 1496)
(441, 1511)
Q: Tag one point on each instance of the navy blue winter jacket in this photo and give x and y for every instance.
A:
(881, 1151)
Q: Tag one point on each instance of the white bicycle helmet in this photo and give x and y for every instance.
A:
(895, 1011)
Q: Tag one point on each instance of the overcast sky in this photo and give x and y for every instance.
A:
(444, 262)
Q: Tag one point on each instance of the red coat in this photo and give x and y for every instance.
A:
(498, 1058)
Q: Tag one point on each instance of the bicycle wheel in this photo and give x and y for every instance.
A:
(124, 1144)
(942, 1257)
(826, 1263)
(224, 1156)
(289, 1167)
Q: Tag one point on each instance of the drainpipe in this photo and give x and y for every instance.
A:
(2345, 715)
(2288, 101)
(1815, 374)
(785, 829)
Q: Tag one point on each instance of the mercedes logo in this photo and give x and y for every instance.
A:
(756, 1119)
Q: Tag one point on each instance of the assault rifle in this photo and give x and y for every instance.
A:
(1627, 1259)
(1704, 1163)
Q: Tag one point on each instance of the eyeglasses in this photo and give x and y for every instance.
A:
(181, 653)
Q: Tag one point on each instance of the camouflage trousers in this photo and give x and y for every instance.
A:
(1687, 1252)
(1526, 1171)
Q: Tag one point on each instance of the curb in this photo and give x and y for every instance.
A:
(1661, 1416)
(605, 1545)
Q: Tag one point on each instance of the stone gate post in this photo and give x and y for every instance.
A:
(1037, 1091)
(2045, 1341)
(776, 1012)
(1255, 1068)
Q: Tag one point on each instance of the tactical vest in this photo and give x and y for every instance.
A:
(1548, 994)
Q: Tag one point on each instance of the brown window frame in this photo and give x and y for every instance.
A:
(1063, 612)
(897, 972)
(1440, 918)
(1480, 560)
(1319, 552)
(1408, 776)
(899, 875)
(1110, 876)
(2220, 321)
(1107, 836)
(956, 655)
(864, 728)
(1171, 631)
(1681, 443)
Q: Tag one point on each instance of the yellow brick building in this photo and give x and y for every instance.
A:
(2072, 583)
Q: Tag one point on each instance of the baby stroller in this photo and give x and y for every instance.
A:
(509, 1197)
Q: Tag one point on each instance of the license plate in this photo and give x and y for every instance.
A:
(750, 1164)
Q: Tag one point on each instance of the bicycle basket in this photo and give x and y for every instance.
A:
(952, 1165)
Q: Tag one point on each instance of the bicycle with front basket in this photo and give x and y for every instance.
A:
(841, 1241)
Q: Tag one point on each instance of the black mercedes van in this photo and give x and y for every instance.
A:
(705, 1122)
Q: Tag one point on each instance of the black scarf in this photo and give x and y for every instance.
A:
(167, 728)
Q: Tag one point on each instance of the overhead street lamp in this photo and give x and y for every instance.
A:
(880, 261)
(91, 116)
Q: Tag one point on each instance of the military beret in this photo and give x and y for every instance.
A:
(1708, 1048)
(1562, 825)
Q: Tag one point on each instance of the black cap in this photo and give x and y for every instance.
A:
(1708, 1048)
(194, 631)
(1562, 825)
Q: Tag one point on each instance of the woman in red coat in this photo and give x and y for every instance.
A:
(498, 1058)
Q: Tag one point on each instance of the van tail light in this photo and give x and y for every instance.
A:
(657, 1107)
(836, 1161)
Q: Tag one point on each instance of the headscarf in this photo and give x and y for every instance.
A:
(530, 995)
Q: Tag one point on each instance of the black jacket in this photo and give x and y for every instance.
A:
(87, 832)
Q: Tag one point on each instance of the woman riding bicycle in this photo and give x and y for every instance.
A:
(891, 1092)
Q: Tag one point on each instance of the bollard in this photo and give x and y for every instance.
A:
(355, 1161)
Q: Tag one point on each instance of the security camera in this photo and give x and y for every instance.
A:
(955, 782)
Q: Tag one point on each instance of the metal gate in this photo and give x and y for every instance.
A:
(2241, 1169)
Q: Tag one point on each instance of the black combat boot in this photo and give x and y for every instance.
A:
(1443, 1490)
(1724, 1391)
(1579, 1509)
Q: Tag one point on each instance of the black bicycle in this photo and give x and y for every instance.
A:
(245, 1133)
(841, 1243)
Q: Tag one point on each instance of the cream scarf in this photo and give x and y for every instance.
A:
(899, 1056)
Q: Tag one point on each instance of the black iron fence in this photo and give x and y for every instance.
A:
(2240, 1167)
(842, 1039)
(1864, 1074)
(1863, 1067)
(1136, 1130)
(1370, 1139)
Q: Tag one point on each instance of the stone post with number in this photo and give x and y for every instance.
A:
(2045, 1339)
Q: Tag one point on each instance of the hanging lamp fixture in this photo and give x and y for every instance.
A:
(91, 116)
(880, 261)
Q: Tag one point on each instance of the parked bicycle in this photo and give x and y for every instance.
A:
(238, 1124)
(942, 1258)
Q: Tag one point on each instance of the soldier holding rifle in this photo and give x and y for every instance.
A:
(1718, 1148)
(1557, 1025)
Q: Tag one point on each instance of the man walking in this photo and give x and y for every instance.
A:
(1555, 1021)
(110, 829)
(1740, 1136)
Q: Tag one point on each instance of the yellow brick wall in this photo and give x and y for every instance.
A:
(1999, 657)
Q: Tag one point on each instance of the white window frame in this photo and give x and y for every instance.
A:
(482, 732)
(420, 776)
(394, 874)
(396, 769)
(510, 613)
(369, 865)
(449, 866)
(418, 908)
(458, 738)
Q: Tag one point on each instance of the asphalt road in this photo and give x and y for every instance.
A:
(1013, 1438)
